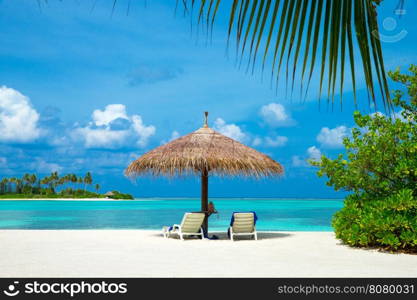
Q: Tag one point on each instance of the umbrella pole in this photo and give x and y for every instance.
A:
(204, 198)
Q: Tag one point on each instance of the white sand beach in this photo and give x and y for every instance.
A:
(141, 253)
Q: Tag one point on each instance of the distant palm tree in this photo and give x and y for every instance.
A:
(9, 185)
(97, 187)
(29, 180)
(47, 180)
(66, 178)
(61, 181)
(4, 182)
(39, 185)
(73, 179)
(19, 185)
(26, 178)
(32, 181)
(80, 180)
(44, 181)
(14, 181)
(54, 181)
(88, 179)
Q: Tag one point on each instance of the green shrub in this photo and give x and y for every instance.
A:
(379, 168)
(121, 196)
(389, 223)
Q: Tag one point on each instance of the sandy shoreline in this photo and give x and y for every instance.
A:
(141, 253)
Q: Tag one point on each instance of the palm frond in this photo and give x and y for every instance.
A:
(291, 33)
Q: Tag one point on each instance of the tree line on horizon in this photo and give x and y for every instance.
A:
(32, 184)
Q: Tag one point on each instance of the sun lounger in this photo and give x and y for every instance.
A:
(190, 225)
(243, 223)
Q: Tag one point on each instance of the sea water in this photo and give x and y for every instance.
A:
(153, 213)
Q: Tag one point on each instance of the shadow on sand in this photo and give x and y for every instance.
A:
(262, 235)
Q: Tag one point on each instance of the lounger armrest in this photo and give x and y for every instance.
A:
(176, 226)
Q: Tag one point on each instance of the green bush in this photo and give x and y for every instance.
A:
(379, 168)
(389, 223)
(121, 196)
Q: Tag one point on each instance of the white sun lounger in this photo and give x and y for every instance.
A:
(243, 224)
(190, 225)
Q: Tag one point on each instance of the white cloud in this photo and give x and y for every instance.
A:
(377, 113)
(395, 115)
(257, 141)
(18, 119)
(332, 138)
(113, 128)
(3, 161)
(398, 115)
(144, 132)
(275, 115)
(314, 153)
(278, 141)
(110, 113)
(106, 160)
(174, 135)
(299, 162)
(42, 166)
(231, 130)
(102, 138)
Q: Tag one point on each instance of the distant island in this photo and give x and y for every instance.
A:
(54, 186)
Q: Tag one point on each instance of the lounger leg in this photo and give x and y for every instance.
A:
(231, 234)
(256, 236)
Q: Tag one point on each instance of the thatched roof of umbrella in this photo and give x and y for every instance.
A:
(204, 149)
(203, 152)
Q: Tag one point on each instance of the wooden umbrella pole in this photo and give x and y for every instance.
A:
(204, 198)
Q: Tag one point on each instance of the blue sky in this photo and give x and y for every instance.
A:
(85, 90)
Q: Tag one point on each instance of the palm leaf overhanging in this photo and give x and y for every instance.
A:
(300, 34)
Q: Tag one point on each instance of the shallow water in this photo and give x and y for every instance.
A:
(153, 213)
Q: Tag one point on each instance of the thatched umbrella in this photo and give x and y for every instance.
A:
(204, 152)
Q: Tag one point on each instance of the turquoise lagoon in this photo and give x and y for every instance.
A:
(153, 213)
